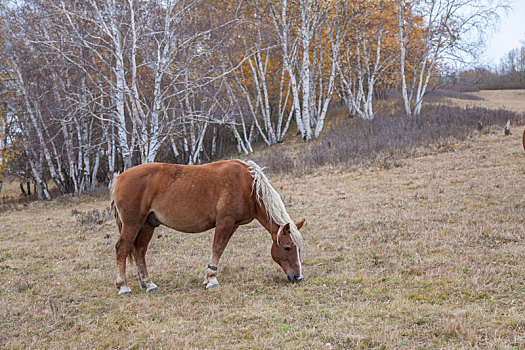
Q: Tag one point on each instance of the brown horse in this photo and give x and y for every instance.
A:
(196, 198)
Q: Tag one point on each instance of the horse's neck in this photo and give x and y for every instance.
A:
(268, 224)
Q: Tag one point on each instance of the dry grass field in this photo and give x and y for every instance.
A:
(429, 253)
(425, 253)
(513, 100)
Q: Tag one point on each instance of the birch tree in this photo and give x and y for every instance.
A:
(327, 51)
(96, 28)
(368, 53)
(28, 104)
(261, 81)
(451, 29)
(164, 39)
(14, 107)
(299, 27)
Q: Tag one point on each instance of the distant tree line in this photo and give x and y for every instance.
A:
(508, 74)
(97, 86)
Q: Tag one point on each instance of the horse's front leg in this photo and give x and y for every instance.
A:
(225, 227)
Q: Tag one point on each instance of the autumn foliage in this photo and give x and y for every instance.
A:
(93, 87)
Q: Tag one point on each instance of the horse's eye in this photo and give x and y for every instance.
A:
(287, 249)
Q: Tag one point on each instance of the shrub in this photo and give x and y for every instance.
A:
(388, 137)
(92, 217)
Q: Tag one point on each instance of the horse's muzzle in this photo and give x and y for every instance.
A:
(292, 277)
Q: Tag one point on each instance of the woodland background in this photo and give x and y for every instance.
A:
(91, 87)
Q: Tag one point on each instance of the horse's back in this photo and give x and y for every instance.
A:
(151, 176)
(186, 197)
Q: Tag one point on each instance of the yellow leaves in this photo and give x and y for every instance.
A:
(7, 151)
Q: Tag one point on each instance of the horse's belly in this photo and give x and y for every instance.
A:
(193, 228)
(186, 223)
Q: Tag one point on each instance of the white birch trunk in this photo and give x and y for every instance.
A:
(326, 96)
(111, 150)
(120, 88)
(306, 38)
(280, 20)
(38, 130)
(35, 167)
(95, 169)
(402, 58)
(198, 146)
(176, 152)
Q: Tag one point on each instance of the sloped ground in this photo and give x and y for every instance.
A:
(512, 100)
(429, 253)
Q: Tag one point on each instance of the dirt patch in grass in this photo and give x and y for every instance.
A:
(426, 254)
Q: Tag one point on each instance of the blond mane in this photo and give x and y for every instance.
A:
(273, 203)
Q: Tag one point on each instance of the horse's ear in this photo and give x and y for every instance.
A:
(286, 229)
(300, 224)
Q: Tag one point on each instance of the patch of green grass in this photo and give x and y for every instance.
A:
(284, 328)
(481, 296)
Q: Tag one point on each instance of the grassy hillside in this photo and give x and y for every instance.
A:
(428, 253)
(512, 100)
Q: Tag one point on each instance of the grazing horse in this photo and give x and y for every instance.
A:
(196, 198)
(523, 139)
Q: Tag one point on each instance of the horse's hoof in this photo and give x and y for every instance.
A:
(152, 288)
(213, 283)
(124, 290)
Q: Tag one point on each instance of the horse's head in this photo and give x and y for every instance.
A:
(287, 254)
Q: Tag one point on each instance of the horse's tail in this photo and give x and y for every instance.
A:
(116, 214)
(273, 204)
(114, 208)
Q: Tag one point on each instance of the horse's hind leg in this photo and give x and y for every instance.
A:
(223, 231)
(139, 250)
(123, 247)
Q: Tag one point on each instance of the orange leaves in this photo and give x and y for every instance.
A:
(7, 151)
